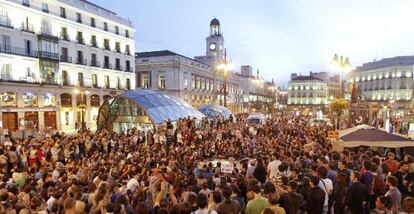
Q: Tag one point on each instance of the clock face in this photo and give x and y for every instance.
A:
(212, 46)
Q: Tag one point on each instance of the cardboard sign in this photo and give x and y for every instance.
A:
(333, 134)
(227, 167)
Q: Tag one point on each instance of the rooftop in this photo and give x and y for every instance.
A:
(162, 53)
(306, 78)
(96, 9)
(387, 62)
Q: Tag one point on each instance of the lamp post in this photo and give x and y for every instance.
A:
(344, 65)
(82, 106)
(222, 70)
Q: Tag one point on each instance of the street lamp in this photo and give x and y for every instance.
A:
(82, 106)
(344, 65)
(222, 70)
(258, 83)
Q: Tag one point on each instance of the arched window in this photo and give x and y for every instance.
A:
(66, 100)
(106, 97)
(95, 100)
(8, 99)
(29, 99)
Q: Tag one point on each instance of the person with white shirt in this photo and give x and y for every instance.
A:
(326, 185)
(273, 166)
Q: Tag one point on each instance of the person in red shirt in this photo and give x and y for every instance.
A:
(391, 163)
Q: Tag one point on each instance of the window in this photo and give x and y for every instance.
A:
(106, 81)
(45, 7)
(64, 55)
(161, 80)
(4, 19)
(105, 26)
(94, 61)
(45, 27)
(94, 80)
(95, 101)
(66, 100)
(126, 33)
(106, 44)
(128, 84)
(106, 62)
(127, 66)
(63, 12)
(118, 47)
(26, 3)
(116, 30)
(118, 83)
(80, 79)
(185, 80)
(93, 22)
(193, 82)
(78, 17)
(8, 99)
(127, 51)
(118, 64)
(64, 34)
(93, 41)
(49, 100)
(79, 38)
(65, 78)
(145, 80)
(29, 99)
(80, 58)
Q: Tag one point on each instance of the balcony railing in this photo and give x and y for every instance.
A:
(6, 23)
(48, 55)
(107, 48)
(26, 3)
(64, 58)
(107, 65)
(18, 51)
(81, 61)
(118, 67)
(64, 36)
(27, 27)
(80, 40)
(118, 50)
(95, 63)
(129, 69)
(94, 44)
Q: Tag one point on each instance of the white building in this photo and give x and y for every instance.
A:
(50, 47)
(307, 90)
(194, 80)
(389, 79)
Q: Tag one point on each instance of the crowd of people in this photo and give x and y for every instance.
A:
(282, 166)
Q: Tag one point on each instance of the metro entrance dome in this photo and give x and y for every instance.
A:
(142, 108)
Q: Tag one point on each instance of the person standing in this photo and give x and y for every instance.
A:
(315, 202)
(273, 166)
(357, 194)
(394, 193)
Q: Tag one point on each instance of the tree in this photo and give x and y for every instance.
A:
(338, 107)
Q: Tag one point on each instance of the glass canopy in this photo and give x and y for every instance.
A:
(212, 110)
(143, 107)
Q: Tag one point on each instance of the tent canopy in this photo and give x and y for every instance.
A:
(365, 135)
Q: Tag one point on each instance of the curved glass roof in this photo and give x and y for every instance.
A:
(157, 106)
(211, 110)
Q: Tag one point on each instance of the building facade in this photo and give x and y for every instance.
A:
(307, 90)
(197, 80)
(49, 48)
(387, 81)
(257, 93)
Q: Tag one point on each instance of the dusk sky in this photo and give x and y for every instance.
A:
(278, 37)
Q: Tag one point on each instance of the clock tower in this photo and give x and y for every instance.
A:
(215, 42)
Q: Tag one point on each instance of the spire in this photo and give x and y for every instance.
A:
(257, 73)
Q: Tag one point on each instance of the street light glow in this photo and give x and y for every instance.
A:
(76, 91)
